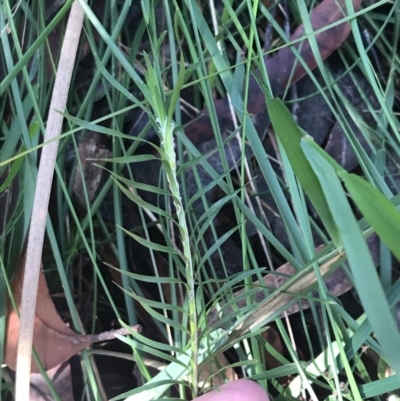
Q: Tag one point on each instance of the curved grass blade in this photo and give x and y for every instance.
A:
(150, 244)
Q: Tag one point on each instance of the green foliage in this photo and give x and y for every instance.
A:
(175, 50)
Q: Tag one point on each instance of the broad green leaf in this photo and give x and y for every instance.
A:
(290, 136)
(366, 279)
(377, 209)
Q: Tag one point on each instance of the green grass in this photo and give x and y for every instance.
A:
(173, 55)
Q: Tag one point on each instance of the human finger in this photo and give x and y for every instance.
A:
(238, 390)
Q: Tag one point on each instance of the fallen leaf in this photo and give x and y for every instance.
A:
(284, 69)
(53, 340)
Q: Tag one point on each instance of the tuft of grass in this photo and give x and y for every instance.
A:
(177, 60)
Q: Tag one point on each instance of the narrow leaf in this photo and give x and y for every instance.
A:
(150, 244)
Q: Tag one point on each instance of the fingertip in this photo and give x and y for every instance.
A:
(238, 390)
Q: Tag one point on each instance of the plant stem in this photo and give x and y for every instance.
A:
(169, 161)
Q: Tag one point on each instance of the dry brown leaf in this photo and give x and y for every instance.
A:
(284, 69)
(53, 340)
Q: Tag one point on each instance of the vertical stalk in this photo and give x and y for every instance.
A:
(169, 162)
